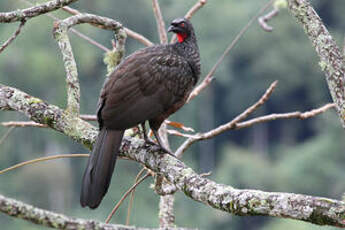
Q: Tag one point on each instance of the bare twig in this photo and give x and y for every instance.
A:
(89, 40)
(138, 37)
(229, 125)
(88, 117)
(71, 10)
(177, 133)
(160, 22)
(124, 197)
(11, 39)
(209, 76)
(265, 18)
(23, 124)
(42, 159)
(131, 199)
(298, 115)
(6, 135)
(197, 6)
(85, 117)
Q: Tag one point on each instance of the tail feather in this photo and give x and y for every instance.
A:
(100, 167)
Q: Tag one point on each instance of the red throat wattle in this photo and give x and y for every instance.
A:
(181, 37)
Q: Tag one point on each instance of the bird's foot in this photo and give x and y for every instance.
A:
(158, 148)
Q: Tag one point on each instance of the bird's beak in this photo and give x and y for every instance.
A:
(171, 28)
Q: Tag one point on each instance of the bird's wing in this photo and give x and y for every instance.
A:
(145, 85)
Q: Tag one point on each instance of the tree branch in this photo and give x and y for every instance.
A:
(34, 11)
(46, 218)
(227, 126)
(11, 39)
(331, 58)
(272, 117)
(317, 210)
(42, 112)
(60, 34)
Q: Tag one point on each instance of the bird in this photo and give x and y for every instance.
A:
(147, 86)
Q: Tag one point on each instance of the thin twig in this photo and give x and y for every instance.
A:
(297, 114)
(237, 124)
(265, 18)
(209, 76)
(70, 10)
(85, 117)
(179, 134)
(42, 159)
(89, 40)
(11, 39)
(23, 124)
(5, 136)
(129, 32)
(195, 8)
(190, 13)
(160, 22)
(124, 197)
(138, 37)
(88, 117)
(131, 199)
(227, 126)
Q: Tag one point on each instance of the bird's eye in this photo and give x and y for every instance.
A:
(182, 24)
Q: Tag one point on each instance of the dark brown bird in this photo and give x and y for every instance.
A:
(148, 85)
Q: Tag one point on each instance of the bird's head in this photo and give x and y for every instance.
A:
(182, 27)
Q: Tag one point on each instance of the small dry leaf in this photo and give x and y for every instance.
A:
(179, 126)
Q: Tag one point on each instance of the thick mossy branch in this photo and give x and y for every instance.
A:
(54, 220)
(60, 34)
(73, 87)
(317, 210)
(19, 15)
(43, 113)
(331, 58)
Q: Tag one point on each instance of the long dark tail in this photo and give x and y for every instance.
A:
(100, 167)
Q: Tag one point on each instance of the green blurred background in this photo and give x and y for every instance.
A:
(284, 156)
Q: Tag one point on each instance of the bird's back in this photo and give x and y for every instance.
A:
(145, 85)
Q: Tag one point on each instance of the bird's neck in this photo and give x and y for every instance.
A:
(190, 50)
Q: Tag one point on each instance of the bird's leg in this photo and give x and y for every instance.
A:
(155, 132)
(146, 138)
(144, 132)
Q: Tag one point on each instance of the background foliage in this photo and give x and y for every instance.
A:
(290, 156)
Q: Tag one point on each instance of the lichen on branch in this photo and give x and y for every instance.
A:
(331, 58)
